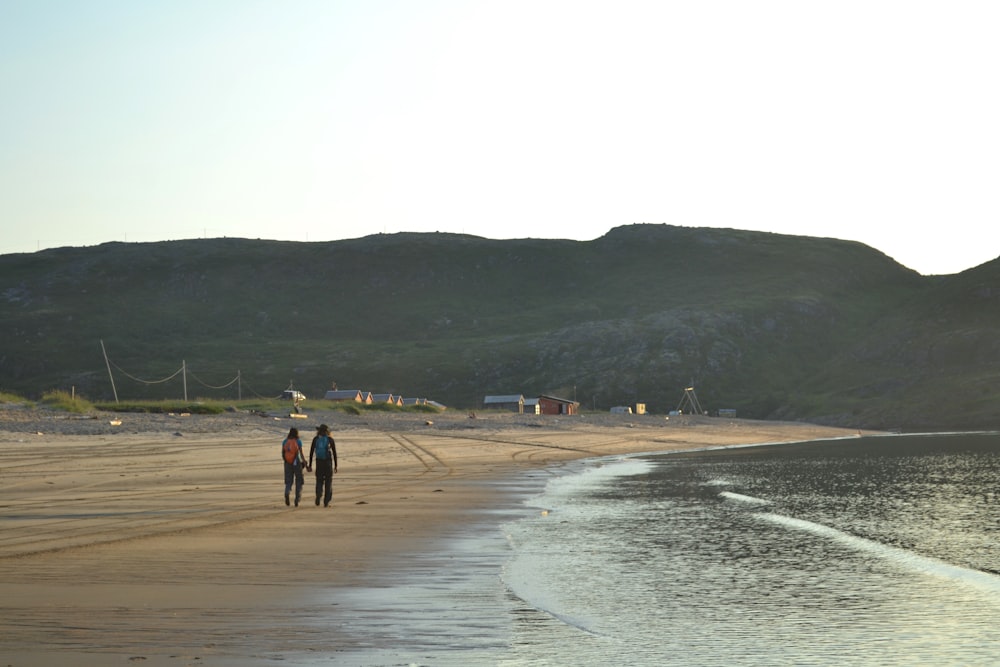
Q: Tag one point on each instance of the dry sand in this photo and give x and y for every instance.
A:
(165, 540)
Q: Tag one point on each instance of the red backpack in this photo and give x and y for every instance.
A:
(290, 448)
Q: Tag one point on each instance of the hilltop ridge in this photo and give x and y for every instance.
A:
(774, 326)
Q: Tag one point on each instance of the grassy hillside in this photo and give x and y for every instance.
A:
(775, 326)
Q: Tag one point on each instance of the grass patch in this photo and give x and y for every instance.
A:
(66, 402)
(215, 407)
(6, 397)
(164, 407)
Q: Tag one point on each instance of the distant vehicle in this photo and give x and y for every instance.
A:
(293, 395)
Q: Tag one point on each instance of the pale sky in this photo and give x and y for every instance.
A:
(315, 120)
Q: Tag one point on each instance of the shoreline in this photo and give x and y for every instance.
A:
(181, 551)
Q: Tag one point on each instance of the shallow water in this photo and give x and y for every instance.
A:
(867, 551)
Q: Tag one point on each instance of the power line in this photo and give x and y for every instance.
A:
(182, 370)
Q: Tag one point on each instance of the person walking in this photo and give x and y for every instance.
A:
(295, 461)
(325, 450)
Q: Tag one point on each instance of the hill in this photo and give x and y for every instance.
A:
(774, 326)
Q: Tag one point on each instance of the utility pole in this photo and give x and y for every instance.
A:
(110, 376)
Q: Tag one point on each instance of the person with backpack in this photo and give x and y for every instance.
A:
(325, 450)
(295, 461)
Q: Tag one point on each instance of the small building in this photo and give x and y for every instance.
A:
(553, 405)
(343, 395)
(366, 397)
(531, 407)
(387, 398)
(509, 402)
(640, 408)
(621, 410)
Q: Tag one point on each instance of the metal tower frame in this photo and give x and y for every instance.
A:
(690, 399)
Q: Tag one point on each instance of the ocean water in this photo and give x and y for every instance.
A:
(862, 551)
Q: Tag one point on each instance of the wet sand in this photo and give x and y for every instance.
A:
(166, 541)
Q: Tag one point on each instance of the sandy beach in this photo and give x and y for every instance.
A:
(165, 540)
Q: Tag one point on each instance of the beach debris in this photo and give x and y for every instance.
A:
(115, 422)
(429, 423)
(178, 434)
(297, 415)
(361, 502)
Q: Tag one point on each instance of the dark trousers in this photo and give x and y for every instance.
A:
(324, 480)
(294, 473)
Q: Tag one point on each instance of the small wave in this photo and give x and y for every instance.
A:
(536, 604)
(740, 498)
(574, 622)
(597, 473)
(923, 564)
